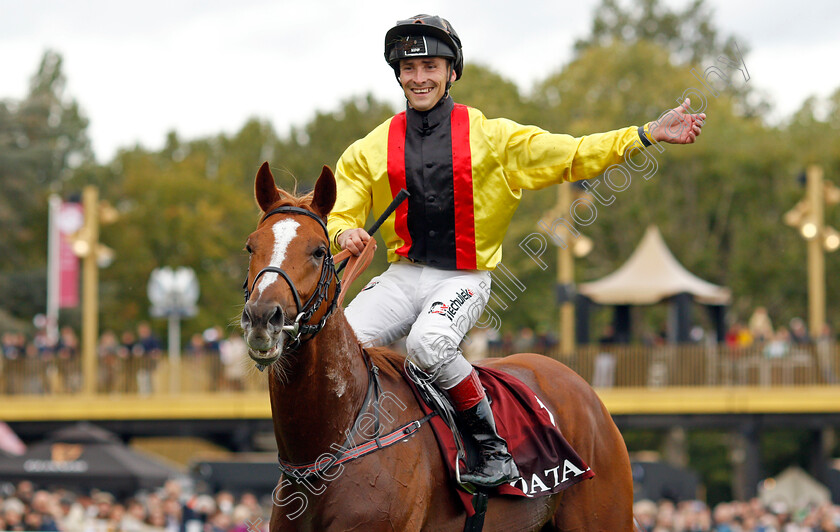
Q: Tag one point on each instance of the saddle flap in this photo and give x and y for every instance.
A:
(545, 459)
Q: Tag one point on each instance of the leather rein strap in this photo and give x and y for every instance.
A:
(356, 265)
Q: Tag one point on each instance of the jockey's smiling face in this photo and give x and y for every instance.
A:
(423, 80)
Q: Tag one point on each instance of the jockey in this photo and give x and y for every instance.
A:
(465, 174)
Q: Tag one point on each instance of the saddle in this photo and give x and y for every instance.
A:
(546, 461)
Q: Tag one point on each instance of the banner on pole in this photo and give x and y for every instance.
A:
(70, 219)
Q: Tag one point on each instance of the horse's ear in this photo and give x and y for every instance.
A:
(324, 197)
(265, 189)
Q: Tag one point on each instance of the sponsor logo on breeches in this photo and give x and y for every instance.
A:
(451, 309)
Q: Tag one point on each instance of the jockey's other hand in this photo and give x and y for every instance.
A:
(678, 125)
(353, 240)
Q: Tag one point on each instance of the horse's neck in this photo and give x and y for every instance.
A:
(326, 384)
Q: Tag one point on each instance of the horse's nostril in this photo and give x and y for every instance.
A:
(276, 319)
(246, 318)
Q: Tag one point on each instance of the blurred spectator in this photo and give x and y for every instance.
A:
(149, 349)
(219, 522)
(826, 335)
(212, 339)
(197, 512)
(134, 518)
(524, 341)
(173, 514)
(225, 502)
(108, 352)
(645, 512)
(799, 332)
(546, 341)
(608, 335)
(69, 359)
(760, 325)
(233, 358)
(13, 513)
(13, 346)
(129, 354)
(779, 345)
(697, 334)
(33, 375)
(738, 336)
(507, 343)
(724, 518)
(241, 516)
(665, 516)
(195, 347)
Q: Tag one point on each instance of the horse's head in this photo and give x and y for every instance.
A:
(291, 285)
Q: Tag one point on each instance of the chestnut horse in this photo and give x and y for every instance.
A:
(320, 380)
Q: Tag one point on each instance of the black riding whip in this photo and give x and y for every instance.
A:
(400, 197)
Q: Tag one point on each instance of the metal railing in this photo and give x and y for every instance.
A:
(628, 366)
(604, 366)
(129, 376)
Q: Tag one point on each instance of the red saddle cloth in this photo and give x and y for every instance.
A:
(546, 461)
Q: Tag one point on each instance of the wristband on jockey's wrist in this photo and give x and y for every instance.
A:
(646, 136)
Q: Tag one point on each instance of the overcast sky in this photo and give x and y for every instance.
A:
(202, 67)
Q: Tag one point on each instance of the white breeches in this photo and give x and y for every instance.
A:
(432, 308)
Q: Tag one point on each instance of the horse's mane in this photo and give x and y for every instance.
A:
(389, 362)
(293, 200)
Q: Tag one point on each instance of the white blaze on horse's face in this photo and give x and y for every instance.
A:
(284, 231)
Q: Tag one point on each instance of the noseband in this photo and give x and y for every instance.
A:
(300, 326)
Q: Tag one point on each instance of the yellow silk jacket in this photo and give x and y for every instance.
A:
(465, 174)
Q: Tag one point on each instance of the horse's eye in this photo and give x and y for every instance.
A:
(248, 249)
(320, 253)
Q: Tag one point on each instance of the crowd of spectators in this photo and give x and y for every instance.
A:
(128, 361)
(169, 509)
(751, 516)
(775, 343)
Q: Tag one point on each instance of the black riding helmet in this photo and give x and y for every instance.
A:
(423, 36)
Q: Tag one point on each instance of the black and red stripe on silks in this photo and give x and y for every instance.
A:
(436, 168)
(462, 178)
(396, 176)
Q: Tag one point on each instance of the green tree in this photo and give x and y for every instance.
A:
(492, 94)
(324, 138)
(42, 138)
(174, 215)
(192, 204)
(689, 34)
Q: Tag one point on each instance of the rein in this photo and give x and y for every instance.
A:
(348, 451)
(300, 326)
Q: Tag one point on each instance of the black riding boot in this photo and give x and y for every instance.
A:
(495, 466)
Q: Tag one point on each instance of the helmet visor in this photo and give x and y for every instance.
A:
(419, 46)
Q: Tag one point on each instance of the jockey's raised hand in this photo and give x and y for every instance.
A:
(678, 126)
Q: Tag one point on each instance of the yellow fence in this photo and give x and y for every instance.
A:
(610, 366)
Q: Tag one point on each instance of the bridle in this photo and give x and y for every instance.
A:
(300, 326)
(349, 451)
